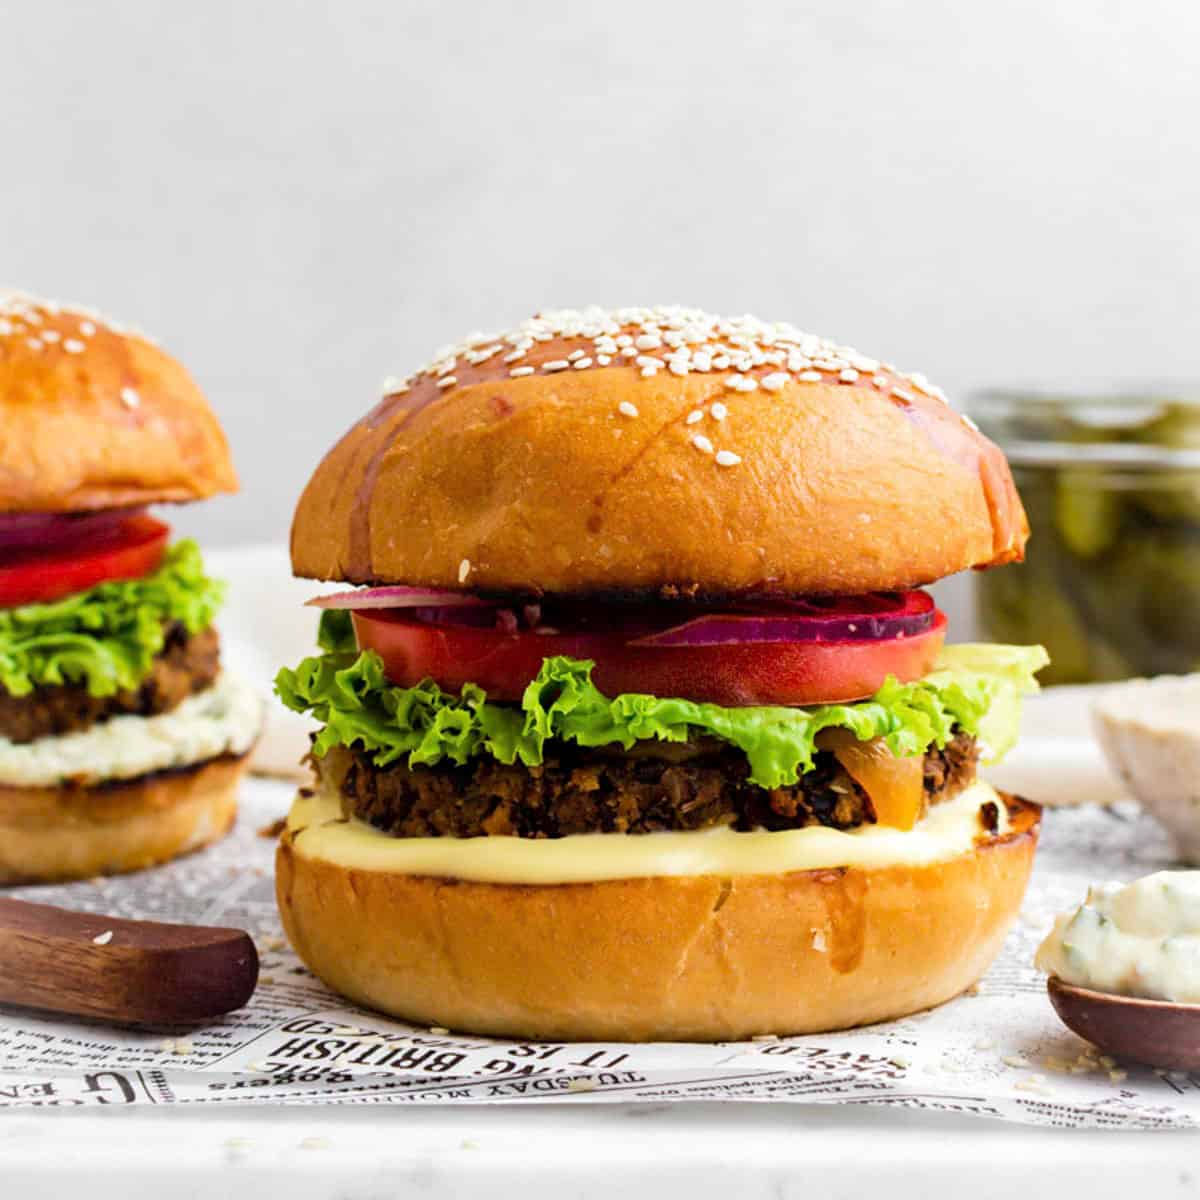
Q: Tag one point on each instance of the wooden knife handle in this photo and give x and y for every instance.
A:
(122, 972)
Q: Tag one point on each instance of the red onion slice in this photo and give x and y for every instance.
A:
(46, 531)
(397, 597)
(843, 621)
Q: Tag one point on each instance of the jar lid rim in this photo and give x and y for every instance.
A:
(1105, 454)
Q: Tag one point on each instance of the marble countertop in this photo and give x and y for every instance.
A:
(631, 1151)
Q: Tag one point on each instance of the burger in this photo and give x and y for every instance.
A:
(121, 739)
(637, 723)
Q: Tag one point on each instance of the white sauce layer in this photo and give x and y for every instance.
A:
(949, 830)
(224, 719)
(1140, 939)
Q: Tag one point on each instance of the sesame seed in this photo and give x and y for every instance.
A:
(73, 346)
(627, 409)
(87, 328)
(102, 939)
(694, 341)
(719, 411)
(50, 336)
(727, 458)
(902, 394)
(648, 372)
(33, 343)
(464, 569)
(697, 414)
(518, 372)
(702, 443)
(130, 398)
(393, 385)
(447, 381)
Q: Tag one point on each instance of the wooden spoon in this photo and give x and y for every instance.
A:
(1156, 1032)
(122, 972)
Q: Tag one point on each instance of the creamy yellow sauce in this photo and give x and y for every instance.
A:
(1140, 939)
(223, 719)
(950, 829)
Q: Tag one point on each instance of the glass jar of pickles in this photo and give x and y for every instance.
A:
(1111, 580)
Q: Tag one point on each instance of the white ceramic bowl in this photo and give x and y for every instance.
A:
(1149, 730)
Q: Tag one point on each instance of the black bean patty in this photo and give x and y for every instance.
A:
(658, 785)
(186, 665)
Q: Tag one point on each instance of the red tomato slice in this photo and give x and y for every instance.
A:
(129, 550)
(501, 663)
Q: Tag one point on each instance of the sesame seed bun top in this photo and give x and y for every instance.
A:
(657, 449)
(93, 415)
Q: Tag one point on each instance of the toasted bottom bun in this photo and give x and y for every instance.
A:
(50, 834)
(680, 958)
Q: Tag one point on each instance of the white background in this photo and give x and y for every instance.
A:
(300, 198)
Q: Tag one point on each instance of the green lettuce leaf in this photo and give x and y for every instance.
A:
(106, 637)
(1012, 671)
(356, 706)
